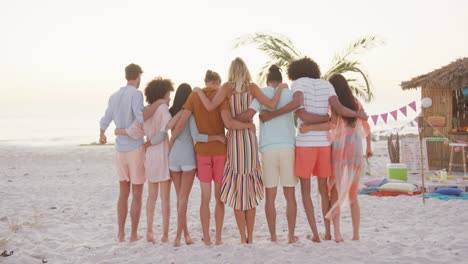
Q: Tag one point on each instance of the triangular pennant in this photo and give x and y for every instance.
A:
(403, 110)
(375, 118)
(394, 113)
(413, 105)
(384, 117)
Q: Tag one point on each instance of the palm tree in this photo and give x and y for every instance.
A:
(282, 51)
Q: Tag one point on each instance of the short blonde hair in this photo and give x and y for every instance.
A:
(239, 76)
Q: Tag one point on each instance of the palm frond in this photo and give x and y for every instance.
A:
(345, 66)
(340, 67)
(343, 63)
(266, 39)
(369, 95)
(359, 46)
(360, 91)
(279, 49)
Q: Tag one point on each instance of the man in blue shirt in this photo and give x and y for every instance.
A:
(124, 106)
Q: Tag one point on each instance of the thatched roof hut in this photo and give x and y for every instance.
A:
(448, 115)
(452, 76)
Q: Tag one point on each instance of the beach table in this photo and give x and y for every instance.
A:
(431, 186)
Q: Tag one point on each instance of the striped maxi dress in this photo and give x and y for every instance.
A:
(242, 187)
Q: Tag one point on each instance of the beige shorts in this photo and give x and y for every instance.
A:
(131, 165)
(278, 165)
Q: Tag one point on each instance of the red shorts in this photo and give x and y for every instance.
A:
(210, 168)
(313, 161)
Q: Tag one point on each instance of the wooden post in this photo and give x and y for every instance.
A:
(421, 131)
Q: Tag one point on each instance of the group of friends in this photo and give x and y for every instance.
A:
(329, 145)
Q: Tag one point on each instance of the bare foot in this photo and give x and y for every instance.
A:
(338, 237)
(188, 240)
(293, 240)
(164, 239)
(326, 236)
(134, 237)
(355, 238)
(218, 242)
(121, 237)
(207, 241)
(313, 239)
(177, 242)
(150, 237)
(273, 238)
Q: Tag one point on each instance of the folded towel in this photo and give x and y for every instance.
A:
(444, 197)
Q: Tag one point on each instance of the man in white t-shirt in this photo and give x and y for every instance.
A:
(313, 97)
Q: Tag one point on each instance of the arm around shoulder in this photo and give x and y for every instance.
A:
(221, 94)
(296, 102)
(179, 126)
(341, 109)
(263, 99)
(149, 111)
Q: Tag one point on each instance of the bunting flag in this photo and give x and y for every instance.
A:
(384, 117)
(403, 110)
(394, 113)
(413, 105)
(375, 118)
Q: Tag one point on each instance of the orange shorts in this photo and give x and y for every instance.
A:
(131, 165)
(313, 161)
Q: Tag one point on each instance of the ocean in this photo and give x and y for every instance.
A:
(52, 130)
(83, 129)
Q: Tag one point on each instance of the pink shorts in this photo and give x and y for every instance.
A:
(131, 165)
(313, 161)
(210, 168)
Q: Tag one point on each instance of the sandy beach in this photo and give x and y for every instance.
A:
(58, 205)
(72, 70)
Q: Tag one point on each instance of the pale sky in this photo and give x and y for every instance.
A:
(66, 57)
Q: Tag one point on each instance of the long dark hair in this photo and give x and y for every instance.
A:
(345, 95)
(182, 93)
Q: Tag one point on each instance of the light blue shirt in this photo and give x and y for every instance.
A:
(278, 133)
(182, 152)
(124, 106)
